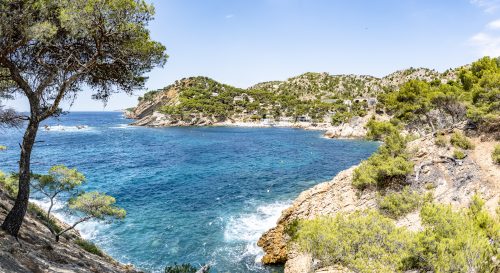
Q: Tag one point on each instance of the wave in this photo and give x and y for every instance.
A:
(248, 227)
(62, 128)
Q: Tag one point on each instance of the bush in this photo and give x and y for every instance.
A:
(495, 155)
(89, 247)
(458, 241)
(459, 140)
(181, 268)
(389, 165)
(363, 241)
(397, 204)
(458, 154)
(9, 183)
(3, 148)
(377, 130)
(440, 141)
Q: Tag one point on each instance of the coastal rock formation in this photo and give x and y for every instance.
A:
(36, 251)
(452, 182)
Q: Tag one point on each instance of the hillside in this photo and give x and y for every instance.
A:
(313, 98)
(36, 251)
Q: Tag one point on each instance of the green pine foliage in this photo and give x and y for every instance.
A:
(364, 241)
(388, 166)
(495, 155)
(180, 268)
(463, 240)
(397, 204)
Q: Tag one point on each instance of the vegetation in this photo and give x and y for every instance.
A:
(458, 154)
(3, 148)
(364, 241)
(89, 247)
(59, 179)
(397, 204)
(377, 130)
(51, 49)
(495, 155)
(182, 268)
(388, 166)
(466, 240)
(440, 141)
(9, 183)
(459, 140)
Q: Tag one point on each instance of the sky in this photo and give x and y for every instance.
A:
(242, 43)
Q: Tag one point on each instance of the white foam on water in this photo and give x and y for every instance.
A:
(88, 229)
(123, 126)
(62, 128)
(248, 227)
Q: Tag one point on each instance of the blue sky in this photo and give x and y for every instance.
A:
(245, 42)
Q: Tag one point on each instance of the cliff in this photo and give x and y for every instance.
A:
(451, 181)
(36, 251)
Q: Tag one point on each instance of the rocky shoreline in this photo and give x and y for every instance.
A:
(453, 182)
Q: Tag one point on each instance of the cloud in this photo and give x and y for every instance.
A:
(229, 16)
(487, 5)
(494, 24)
(487, 44)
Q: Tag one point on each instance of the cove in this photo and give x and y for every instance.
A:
(193, 195)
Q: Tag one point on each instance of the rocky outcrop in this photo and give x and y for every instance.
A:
(451, 181)
(36, 251)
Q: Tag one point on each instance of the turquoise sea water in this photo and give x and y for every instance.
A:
(197, 195)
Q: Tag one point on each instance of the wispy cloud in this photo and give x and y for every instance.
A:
(229, 16)
(494, 24)
(487, 5)
(487, 44)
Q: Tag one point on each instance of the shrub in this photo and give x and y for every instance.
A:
(377, 130)
(495, 155)
(389, 165)
(181, 268)
(457, 241)
(3, 148)
(9, 183)
(397, 204)
(458, 154)
(440, 141)
(364, 241)
(89, 247)
(459, 140)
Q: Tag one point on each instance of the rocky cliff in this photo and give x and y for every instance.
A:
(35, 251)
(452, 181)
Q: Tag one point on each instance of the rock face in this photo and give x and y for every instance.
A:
(36, 251)
(452, 181)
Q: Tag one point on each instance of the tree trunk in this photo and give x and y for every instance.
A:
(14, 219)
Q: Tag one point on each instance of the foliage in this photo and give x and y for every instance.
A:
(181, 268)
(495, 155)
(458, 139)
(364, 241)
(58, 180)
(458, 154)
(97, 205)
(9, 183)
(389, 165)
(89, 247)
(377, 130)
(458, 241)
(397, 204)
(3, 148)
(463, 240)
(440, 141)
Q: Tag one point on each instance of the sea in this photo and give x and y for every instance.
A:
(198, 195)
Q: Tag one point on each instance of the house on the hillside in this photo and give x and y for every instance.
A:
(243, 97)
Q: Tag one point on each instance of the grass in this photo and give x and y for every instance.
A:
(440, 141)
(458, 154)
(495, 155)
(89, 247)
